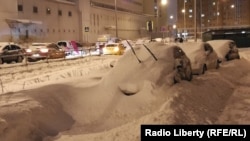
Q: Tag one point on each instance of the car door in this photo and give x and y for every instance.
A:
(55, 52)
(211, 56)
(7, 53)
(59, 52)
(15, 51)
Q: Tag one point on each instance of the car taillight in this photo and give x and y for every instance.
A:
(44, 50)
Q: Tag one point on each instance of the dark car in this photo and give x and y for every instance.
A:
(10, 52)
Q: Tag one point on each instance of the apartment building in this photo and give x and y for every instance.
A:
(80, 20)
(212, 14)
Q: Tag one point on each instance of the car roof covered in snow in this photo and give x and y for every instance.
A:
(221, 47)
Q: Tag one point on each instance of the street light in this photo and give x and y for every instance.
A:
(116, 28)
(164, 2)
(195, 21)
(157, 5)
(184, 18)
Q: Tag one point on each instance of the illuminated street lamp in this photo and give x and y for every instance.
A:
(116, 28)
(174, 26)
(184, 18)
(164, 2)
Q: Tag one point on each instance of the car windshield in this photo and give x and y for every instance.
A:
(52, 46)
(111, 45)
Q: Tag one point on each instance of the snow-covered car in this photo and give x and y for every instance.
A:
(171, 64)
(10, 52)
(39, 51)
(202, 56)
(114, 49)
(226, 49)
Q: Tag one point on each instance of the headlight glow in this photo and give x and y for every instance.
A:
(44, 50)
(28, 50)
(104, 49)
(116, 49)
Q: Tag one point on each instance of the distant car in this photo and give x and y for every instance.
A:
(71, 47)
(39, 51)
(202, 56)
(226, 49)
(10, 52)
(179, 39)
(114, 49)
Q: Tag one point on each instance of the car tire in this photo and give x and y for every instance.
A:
(217, 64)
(189, 74)
(19, 59)
(204, 69)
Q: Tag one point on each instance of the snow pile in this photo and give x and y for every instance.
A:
(202, 101)
(25, 77)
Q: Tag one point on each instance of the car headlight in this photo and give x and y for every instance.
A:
(28, 50)
(116, 49)
(44, 50)
(104, 49)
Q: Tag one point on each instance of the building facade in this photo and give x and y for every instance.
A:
(80, 20)
(121, 18)
(215, 14)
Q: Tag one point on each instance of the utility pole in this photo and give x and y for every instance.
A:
(195, 21)
(116, 28)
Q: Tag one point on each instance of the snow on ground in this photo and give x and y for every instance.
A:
(79, 100)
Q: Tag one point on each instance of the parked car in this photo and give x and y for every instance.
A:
(226, 49)
(172, 64)
(71, 47)
(182, 65)
(114, 49)
(202, 56)
(39, 51)
(11, 52)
